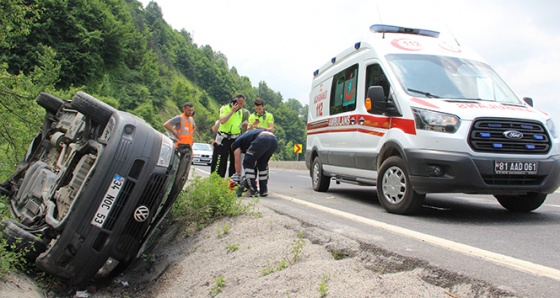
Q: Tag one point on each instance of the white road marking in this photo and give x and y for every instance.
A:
(514, 263)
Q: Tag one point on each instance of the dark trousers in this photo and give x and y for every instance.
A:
(256, 160)
(223, 153)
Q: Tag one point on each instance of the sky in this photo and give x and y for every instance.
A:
(283, 42)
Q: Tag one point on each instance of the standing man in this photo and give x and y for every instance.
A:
(182, 127)
(231, 119)
(261, 118)
(258, 145)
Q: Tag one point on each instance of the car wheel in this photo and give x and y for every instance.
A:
(521, 203)
(18, 239)
(394, 190)
(94, 109)
(320, 181)
(51, 103)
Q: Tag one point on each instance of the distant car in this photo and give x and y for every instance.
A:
(202, 153)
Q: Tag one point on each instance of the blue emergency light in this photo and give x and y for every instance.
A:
(380, 28)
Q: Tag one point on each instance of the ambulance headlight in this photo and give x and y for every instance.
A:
(552, 128)
(435, 121)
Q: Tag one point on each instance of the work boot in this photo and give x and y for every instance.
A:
(263, 185)
(251, 192)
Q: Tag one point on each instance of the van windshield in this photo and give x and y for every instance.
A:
(432, 76)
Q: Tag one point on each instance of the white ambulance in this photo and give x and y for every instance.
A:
(412, 114)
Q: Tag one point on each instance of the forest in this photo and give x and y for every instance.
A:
(127, 56)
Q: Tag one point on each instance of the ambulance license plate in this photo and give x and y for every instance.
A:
(108, 201)
(515, 167)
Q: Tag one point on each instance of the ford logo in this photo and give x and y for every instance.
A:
(141, 213)
(512, 134)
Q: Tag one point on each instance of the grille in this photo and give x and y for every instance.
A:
(489, 135)
(134, 231)
(119, 204)
(516, 180)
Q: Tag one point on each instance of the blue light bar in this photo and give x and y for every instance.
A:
(497, 145)
(485, 134)
(380, 28)
(538, 137)
(530, 147)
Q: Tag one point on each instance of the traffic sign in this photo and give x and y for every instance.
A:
(297, 148)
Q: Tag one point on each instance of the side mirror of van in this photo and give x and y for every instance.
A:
(528, 100)
(377, 104)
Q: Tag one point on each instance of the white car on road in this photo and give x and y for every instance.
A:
(202, 153)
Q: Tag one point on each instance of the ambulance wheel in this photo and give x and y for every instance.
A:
(522, 203)
(320, 181)
(394, 190)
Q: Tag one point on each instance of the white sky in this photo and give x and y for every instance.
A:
(283, 42)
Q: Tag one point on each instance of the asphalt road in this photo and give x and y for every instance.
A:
(469, 234)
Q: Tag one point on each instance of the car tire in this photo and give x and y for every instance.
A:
(50, 102)
(94, 109)
(522, 203)
(18, 239)
(320, 181)
(394, 190)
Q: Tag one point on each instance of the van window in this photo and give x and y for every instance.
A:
(376, 77)
(343, 94)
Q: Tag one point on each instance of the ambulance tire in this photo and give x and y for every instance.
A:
(320, 181)
(394, 190)
(522, 203)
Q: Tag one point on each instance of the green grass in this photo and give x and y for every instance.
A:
(207, 199)
(11, 259)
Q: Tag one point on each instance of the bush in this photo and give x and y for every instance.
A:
(10, 258)
(208, 199)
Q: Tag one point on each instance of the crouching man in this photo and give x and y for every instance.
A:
(258, 145)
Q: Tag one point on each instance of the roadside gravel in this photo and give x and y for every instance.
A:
(267, 254)
(246, 261)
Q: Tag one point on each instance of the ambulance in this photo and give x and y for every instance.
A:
(413, 114)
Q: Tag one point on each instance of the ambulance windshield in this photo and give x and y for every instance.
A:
(448, 77)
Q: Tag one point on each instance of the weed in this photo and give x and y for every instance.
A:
(223, 231)
(297, 248)
(323, 286)
(271, 268)
(148, 258)
(219, 284)
(337, 255)
(12, 257)
(232, 247)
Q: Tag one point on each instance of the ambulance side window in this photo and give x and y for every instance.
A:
(343, 93)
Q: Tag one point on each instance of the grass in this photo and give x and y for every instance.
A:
(206, 200)
(323, 286)
(219, 284)
(296, 253)
(11, 259)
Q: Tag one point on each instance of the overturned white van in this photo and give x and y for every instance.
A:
(413, 114)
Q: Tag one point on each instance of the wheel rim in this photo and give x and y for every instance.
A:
(316, 170)
(394, 185)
